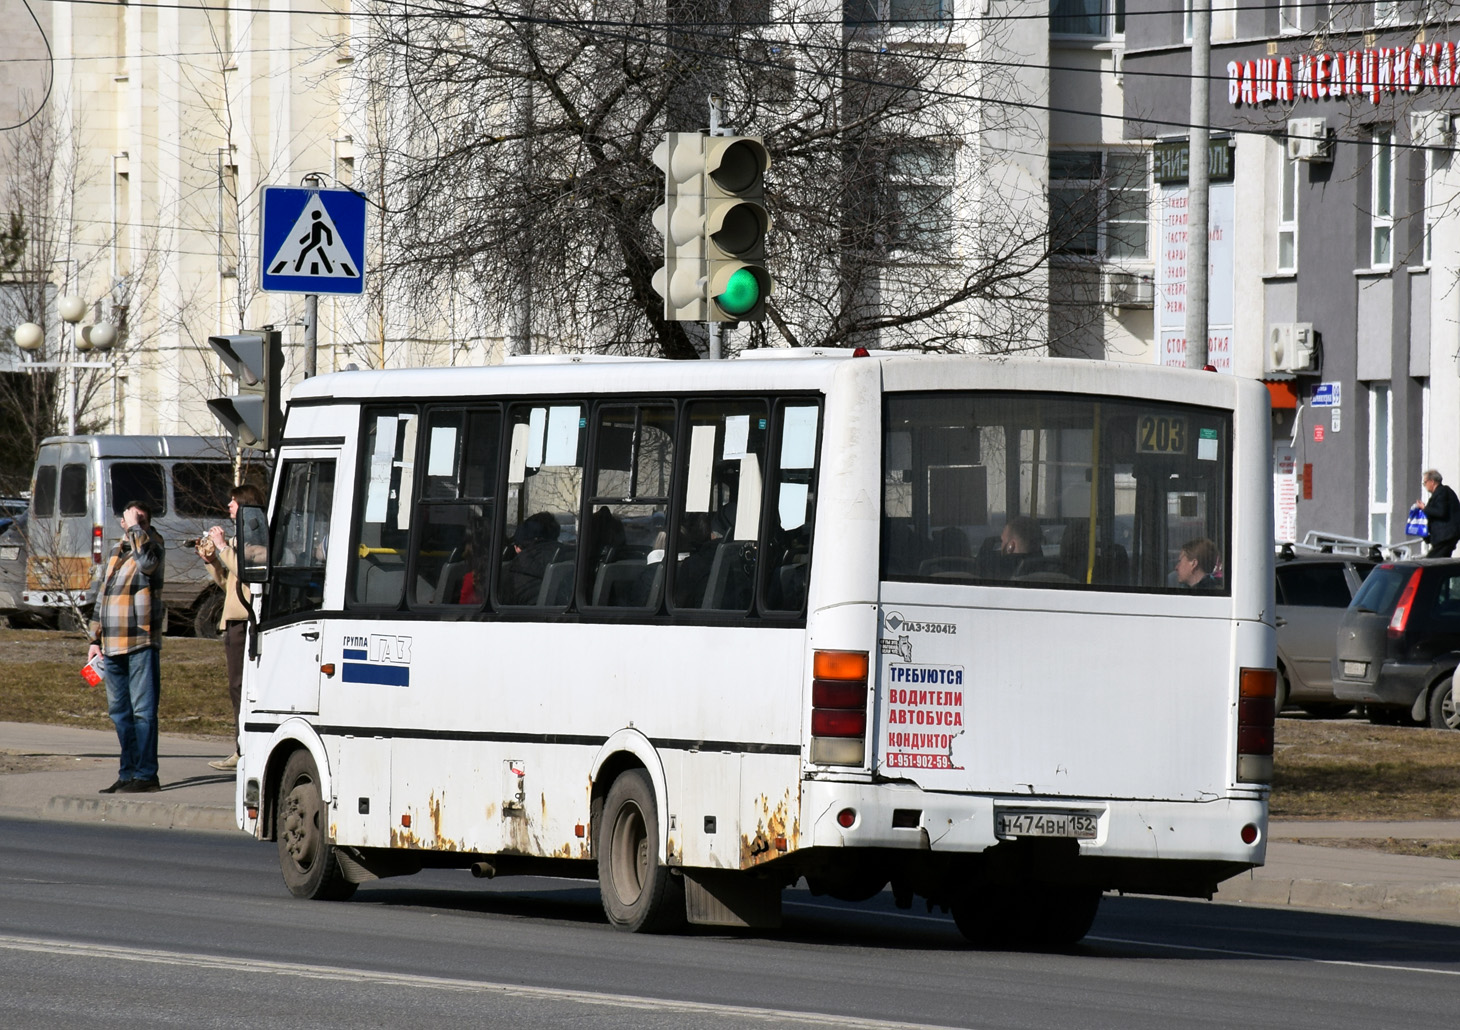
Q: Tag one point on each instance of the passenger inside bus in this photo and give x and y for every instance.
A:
(697, 554)
(1197, 564)
(534, 545)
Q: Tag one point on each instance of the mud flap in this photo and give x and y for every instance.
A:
(727, 897)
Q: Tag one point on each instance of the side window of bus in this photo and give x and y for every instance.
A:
(623, 538)
(300, 536)
(717, 551)
(793, 506)
(200, 488)
(43, 504)
(130, 481)
(383, 508)
(540, 509)
(455, 509)
(73, 491)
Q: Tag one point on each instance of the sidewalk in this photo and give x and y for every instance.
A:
(75, 764)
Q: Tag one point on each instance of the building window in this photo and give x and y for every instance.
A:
(1097, 18)
(918, 198)
(1287, 234)
(1186, 18)
(871, 12)
(1381, 220)
(1429, 214)
(1288, 16)
(1386, 12)
(1380, 455)
(1099, 204)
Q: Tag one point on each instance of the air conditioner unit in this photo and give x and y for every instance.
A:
(1292, 347)
(1126, 290)
(1308, 140)
(1431, 129)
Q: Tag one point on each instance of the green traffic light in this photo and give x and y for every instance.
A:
(742, 293)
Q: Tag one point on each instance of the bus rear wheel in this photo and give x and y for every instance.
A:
(306, 856)
(640, 894)
(1039, 917)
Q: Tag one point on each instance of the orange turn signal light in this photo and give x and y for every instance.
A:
(1258, 683)
(839, 665)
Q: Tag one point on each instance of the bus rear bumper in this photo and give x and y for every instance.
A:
(856, 815)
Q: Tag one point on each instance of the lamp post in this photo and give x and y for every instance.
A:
(100, 337)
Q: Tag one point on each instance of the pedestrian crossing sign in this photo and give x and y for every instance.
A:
(312, 241)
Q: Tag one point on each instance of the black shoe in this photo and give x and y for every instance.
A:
(119, 785)
(144, 786)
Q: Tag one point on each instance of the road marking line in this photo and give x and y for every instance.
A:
(45, 946)
(1238, 953)
(945, 921)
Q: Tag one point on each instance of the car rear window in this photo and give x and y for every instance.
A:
(1313, 585)
(1380, 592)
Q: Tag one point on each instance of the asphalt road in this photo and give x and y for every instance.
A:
(110, 927)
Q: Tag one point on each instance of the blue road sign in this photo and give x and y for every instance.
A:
(312, 241)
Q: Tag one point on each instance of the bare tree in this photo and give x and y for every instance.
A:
(899, 217)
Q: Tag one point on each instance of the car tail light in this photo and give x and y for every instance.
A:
(1257, 691)
(96, 545)
(839, 707)
(1400, 619)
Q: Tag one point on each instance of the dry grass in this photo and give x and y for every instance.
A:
(1349, 769)
(40, 681)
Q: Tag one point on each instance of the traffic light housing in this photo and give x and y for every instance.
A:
(681, 220)
(254, 414)
(714, 224)
(736, 223)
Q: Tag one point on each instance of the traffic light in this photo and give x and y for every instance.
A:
(737, 283)
(714, 224)
(681, 220)
(254, 414)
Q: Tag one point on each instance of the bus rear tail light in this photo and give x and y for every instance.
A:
(1256, 708)
(839, 707)
(1400, 618)
(96, 545)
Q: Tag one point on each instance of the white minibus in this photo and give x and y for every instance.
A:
(704, 630)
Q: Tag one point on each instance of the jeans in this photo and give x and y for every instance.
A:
(131, 697)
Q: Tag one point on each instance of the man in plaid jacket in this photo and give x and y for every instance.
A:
(126, 629)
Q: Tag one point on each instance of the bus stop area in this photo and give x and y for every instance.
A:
(54, 773)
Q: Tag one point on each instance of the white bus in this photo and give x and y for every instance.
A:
(706, 630)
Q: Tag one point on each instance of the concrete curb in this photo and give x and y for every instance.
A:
(125, 812)
(1439, 901)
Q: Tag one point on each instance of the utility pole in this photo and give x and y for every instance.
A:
(1198, 188)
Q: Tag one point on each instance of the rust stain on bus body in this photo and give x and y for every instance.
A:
(771, 825)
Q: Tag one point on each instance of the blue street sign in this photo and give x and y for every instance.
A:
(312, 241)
(1327, 395)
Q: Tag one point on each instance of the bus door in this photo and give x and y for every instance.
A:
(288, 662)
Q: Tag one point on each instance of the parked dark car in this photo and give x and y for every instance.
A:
(1313, 591)
(1399, 644)
(12, 567)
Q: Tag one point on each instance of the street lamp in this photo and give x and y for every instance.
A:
(100, 337)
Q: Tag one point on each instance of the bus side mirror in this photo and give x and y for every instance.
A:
(252, 533)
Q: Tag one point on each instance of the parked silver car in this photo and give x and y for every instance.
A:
(1312, 591)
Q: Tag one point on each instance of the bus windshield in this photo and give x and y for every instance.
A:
(1055, 490)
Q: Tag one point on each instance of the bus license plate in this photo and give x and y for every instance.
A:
(10, 553)
(1044, 823)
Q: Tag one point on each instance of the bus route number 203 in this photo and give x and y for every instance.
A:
(1161, 434)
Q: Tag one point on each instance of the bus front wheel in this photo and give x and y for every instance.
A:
(640, 894)
(1041, 917)
(306, 856)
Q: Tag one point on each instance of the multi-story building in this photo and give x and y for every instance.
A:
(1332, 248)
